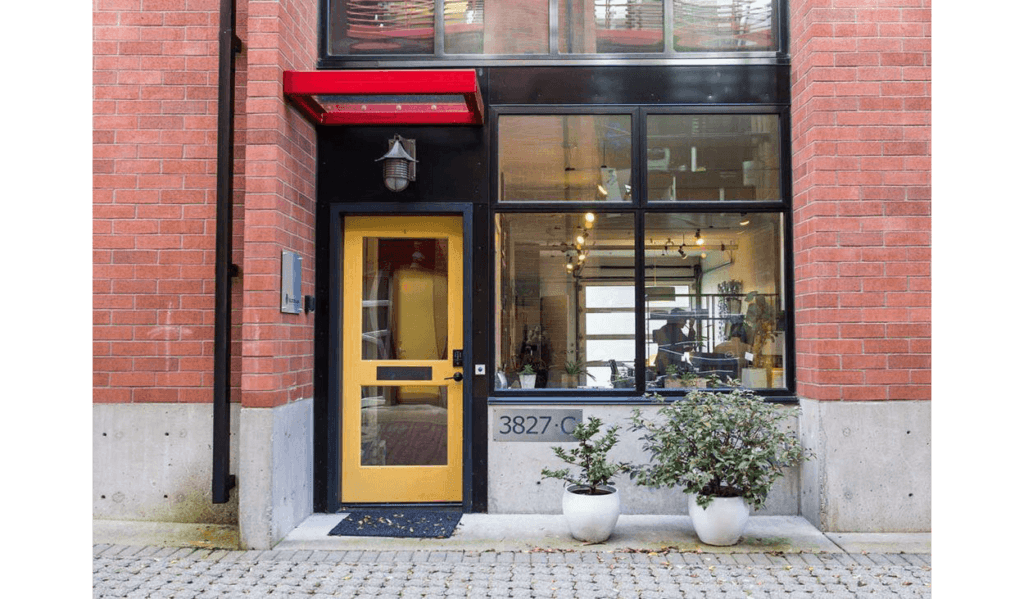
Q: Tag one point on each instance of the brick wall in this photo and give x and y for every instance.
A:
(155, 135)
(862, 198)
(155, 172)
(277, 349)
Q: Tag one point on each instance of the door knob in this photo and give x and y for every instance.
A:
(457, 377)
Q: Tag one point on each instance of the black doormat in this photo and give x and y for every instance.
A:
(398, 523)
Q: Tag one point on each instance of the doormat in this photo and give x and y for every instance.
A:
(398, 523)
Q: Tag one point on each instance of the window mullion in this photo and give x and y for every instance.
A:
(639, 368)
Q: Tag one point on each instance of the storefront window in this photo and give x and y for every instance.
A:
(564, 158)
(713, 157)
(714, 305)
(565, 302)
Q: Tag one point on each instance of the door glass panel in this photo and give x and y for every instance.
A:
(404, 425)
(405, 299)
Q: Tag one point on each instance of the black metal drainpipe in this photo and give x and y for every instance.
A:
(223, 480)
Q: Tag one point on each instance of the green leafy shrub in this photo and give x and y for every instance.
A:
(590, 457)
(717, 444)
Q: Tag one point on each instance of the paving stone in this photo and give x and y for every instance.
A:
(320, 574)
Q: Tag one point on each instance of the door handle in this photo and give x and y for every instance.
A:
(457, 377)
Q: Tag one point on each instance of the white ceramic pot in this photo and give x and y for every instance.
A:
(527, 381)
(591, 518)
(722, 522)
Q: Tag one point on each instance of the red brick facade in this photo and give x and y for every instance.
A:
(861, 111)
(155, 146)
(862, 199)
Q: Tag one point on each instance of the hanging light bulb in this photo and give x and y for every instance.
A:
(580, 239)
(588, 220)
(700, 240)
(703, 254)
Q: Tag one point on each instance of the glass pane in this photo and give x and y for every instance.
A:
(611, 26)
(405, 299)
(551, 269)
(713, 157)
(581, 158)
(404, 426)
(496, 27)
(376, 27)
(714, 308)
(723, 25)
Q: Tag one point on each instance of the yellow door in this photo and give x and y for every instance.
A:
(401, 407)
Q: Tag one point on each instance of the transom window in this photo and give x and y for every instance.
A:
(550, 28)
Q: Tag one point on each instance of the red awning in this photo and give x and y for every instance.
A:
(359, 97)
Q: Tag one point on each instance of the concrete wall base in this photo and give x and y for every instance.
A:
(155, 462)
(515, 486)
(872, 471)
(275, 472)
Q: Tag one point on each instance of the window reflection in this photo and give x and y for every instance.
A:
(374, 27)
(723, 25)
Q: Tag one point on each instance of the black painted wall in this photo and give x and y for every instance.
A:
(453, 167)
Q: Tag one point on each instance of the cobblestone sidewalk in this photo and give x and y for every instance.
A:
(172, 573)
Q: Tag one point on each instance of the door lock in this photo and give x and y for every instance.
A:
(457, 377)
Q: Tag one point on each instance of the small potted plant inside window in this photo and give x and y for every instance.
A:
(725, 449)
(575, 370)
(589, 502)
(674, 379)
(527, 377)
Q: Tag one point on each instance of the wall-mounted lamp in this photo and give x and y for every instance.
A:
(399, 163)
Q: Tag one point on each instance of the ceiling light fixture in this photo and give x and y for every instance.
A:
(700, 239)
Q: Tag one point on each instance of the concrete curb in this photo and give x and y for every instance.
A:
(523, 533)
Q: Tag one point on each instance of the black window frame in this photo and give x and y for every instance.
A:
(667, 57)
(639, 206)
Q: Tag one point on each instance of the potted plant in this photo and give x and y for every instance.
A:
(590, 503)
(674, 379)
(527, 377)
(725, 449)
(574, 370)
